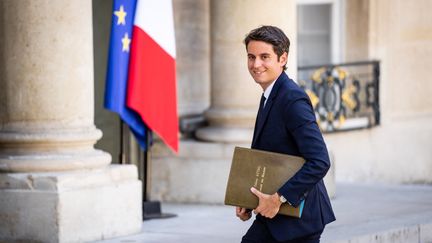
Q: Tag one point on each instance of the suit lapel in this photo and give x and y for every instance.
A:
(263, 115)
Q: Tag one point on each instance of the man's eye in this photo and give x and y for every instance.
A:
(251, 57)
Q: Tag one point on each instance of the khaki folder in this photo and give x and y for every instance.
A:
(266, 171)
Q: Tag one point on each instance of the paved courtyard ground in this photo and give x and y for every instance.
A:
(365, 213)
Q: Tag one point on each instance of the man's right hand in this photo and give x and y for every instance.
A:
(243, 213)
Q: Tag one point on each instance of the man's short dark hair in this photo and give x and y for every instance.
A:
(272, 35)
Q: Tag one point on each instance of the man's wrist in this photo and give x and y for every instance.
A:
(281, 198)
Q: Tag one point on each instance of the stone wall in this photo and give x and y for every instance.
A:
(399, 35)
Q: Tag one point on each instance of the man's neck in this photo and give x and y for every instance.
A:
(271, 84)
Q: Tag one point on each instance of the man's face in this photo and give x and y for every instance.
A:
(263, 63)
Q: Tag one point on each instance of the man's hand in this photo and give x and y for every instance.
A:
(268, 205)
(243, 213)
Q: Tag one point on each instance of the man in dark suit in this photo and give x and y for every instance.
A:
(286, 124)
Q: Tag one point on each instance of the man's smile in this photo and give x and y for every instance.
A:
(258, 72)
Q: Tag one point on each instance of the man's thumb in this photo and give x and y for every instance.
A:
(256, 192)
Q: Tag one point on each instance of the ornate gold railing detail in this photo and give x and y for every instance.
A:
(344, 96)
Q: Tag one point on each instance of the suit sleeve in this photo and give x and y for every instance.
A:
(300, 121)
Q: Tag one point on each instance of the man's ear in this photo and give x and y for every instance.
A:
(284, 58)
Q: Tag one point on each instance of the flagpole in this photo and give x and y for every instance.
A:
(122, 152)
(123, 138)
(151, 209)
(146, 162)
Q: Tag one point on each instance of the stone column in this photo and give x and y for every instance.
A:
(234, 95)
(54, 186)
(192, 23)
(47, 92)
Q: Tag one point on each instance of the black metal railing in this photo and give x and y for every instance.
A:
(345, 96)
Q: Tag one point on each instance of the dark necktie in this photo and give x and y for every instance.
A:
(261, 107)
(260, 110)
(259, 115)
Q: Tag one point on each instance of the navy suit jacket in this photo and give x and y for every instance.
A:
(288, 126)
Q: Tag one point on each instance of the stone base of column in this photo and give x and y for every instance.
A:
(228, 125)
(225, 134)
(199, 173)
(76, 206)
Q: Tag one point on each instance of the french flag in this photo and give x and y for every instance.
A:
(152, 69)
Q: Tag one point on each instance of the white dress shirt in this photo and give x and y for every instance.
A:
(267, 92)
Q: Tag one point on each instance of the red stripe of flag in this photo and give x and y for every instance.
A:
(152, 87)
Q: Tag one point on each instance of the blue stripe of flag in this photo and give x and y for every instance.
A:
(117, 72)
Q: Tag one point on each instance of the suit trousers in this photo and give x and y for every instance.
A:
(259, 233)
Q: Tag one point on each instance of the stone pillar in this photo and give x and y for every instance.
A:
(234, 95)
(54, 186)
(47, 88)
(192, 30)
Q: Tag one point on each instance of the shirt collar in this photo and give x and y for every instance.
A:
(268, 90)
